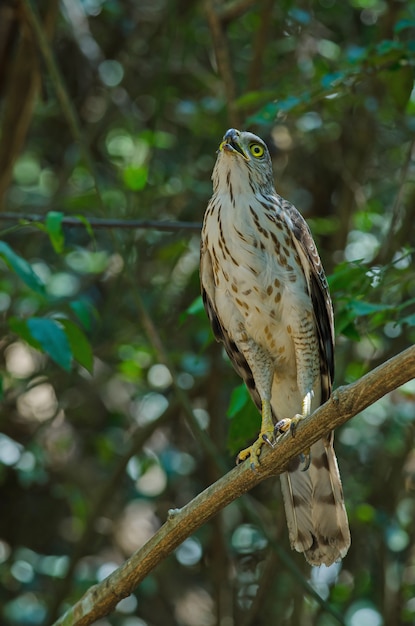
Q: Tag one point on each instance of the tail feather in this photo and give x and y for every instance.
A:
(314, 506)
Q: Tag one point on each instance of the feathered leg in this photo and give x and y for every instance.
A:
(262, 368)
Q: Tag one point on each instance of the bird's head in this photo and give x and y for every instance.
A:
(245, 157)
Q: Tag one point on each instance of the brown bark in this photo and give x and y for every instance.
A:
(345, 402)
(23, 86)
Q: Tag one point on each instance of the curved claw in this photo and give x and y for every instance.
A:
(254, 468)
(267, 440)
(305, 457)
(293, 426)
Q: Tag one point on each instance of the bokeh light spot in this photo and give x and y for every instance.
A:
(190, 552)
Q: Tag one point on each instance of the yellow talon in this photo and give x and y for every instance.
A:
(290, 424)
(265, 436)
(254, 451)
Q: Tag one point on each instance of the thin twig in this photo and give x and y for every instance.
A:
(155, 339)
(220, 44)
(23, 84)
(397, 208)
(234, 9)
(345, 402)
(250, 615)
(250, 507)
(96, 222)
(60, 87)
(260, 46)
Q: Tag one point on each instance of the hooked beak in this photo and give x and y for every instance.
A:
(231, 143)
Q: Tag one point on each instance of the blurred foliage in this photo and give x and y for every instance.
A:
(94, 442)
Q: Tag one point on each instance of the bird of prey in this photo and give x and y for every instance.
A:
(266, 295)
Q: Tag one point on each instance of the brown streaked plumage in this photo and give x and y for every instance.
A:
(266, 295)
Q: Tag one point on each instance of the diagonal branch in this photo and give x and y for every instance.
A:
(213, 454)
(345, 402)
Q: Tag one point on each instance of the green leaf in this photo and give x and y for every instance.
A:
(22, 268)
(271, 110)
(79, 344)
(386, 46)
(19, 327)
(265, 115)
(347, 274)
(84, 311)
(403, 24)
(254, 98)
(291, 102)
(362, 308)
(80, 202)
(239, 398)
(246, 420)
(345, 324)
(329, 80)
(399, 82)
(87, 225)
(45, 335)
(196, 307)
(350, 331)
(300, 16)
(161, 139)
(52, 338)
(54, 228)
(410, 320)
(134, 177)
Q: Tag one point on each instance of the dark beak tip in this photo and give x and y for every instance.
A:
(231, 134)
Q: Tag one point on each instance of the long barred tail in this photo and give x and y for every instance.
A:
(314, 506)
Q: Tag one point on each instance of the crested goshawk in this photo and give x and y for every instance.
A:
(266, 295)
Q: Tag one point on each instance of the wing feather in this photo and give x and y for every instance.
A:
(319, 293)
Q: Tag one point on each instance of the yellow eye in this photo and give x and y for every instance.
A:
(256, 150)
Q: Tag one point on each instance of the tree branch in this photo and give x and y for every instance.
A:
(234, 9)
(60, 87)
(138, 436)
(345, 402)
(221, 47)
(76, 222)
(23, 84)
(390, 242)
(216, 459)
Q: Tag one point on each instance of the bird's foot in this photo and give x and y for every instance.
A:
(287, 424)
(253, 452)
(290, 424)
